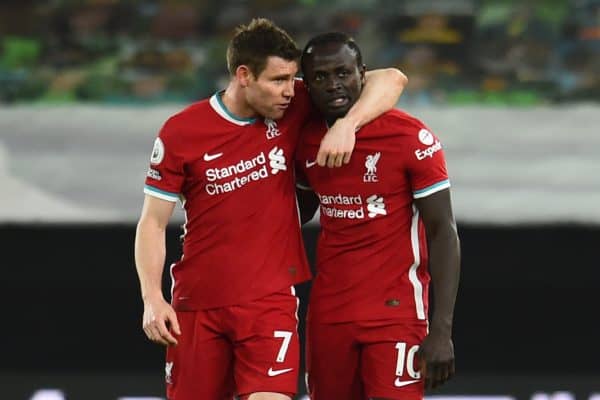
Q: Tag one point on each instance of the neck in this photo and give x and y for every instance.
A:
(233, 98)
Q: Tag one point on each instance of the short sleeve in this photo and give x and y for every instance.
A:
(165, 177)
(426, 163)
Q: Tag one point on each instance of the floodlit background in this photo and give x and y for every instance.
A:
(511, 87)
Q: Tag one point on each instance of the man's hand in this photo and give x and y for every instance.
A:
(436, 359)
(337, 144)
(159, 316)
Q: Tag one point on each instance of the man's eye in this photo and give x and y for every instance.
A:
(343, 74)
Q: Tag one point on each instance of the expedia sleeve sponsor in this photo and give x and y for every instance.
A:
(429, 151)
(426, 164)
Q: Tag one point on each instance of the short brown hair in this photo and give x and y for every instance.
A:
(252, 44)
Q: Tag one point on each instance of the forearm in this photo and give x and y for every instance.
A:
(150, 254)
(444, 266)
(380, 94)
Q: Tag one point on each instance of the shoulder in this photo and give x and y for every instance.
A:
(299, 85)
(396, 122)
(181, 121)
(300, 91)
(193, 112)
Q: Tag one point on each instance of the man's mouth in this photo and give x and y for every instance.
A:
(340, 101)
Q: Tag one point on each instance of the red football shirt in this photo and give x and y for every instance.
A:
(235, 179)
(372, 252)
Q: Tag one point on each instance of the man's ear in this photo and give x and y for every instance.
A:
(243, 75)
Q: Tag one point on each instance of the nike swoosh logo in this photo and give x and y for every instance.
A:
(272, 372)
(399, 383)
(310, 164)
(210, 157)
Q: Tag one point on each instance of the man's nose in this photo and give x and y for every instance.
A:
(333, 84)
(288, 90)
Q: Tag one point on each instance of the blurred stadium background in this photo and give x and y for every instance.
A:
(512, 88)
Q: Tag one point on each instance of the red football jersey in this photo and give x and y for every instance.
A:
(235, 179)
(372, 252)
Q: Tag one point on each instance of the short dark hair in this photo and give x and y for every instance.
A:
(331, 37)
(252, 44)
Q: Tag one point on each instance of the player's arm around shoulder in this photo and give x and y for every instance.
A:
(381, 91)
(150, 251)
(385, 79)
(380, 94)
(436, 353)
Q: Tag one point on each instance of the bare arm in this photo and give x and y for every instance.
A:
(150, 250)
(380, 93)
(437, 350)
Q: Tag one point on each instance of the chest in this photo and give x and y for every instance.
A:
(374, 168)
(248, 153)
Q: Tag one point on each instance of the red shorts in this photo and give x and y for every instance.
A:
(362, 360)
(236, 350)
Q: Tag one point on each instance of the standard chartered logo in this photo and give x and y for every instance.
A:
(234, 176)
(375, 206)
(277, 160)
(351, 207)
